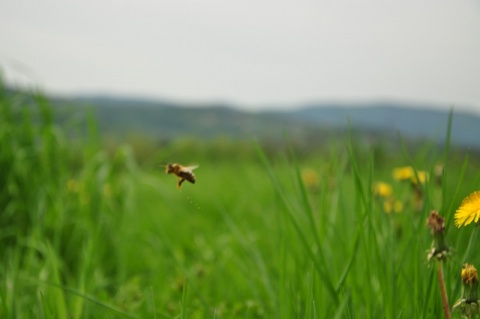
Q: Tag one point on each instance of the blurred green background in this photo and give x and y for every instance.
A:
(285, 224)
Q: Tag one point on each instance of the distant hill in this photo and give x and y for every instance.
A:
(406, 119)
(168, 120)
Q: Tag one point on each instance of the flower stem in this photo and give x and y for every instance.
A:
(443, 291)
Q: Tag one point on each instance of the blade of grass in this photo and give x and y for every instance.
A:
(46, 311)
(349, 264)
(83, 295)
(153, 303)
(428, 294)
(60, 305)
(449, 213)
(183, 308)
(341, 306)
(446, 155)
(309, 295)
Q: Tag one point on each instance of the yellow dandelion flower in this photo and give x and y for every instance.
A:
(469, 210)
(382, 189)
(403, 173)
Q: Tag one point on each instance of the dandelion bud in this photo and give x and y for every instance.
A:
(470, 283)
(469, 304)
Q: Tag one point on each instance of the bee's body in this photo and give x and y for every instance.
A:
(182, 172)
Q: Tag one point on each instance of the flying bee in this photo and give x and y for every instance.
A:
(182, 172)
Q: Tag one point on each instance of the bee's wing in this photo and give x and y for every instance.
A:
(190, 168)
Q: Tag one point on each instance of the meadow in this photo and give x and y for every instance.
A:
(89, 231)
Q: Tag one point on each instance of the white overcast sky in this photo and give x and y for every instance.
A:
(252, 53)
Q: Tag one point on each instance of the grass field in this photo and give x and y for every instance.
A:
(89, 233)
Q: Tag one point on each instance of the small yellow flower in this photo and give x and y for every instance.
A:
(469, 210)
(392, 205)
(310, 178)
(382, 189)
(422, 177)
(407, 173)
(403, 173)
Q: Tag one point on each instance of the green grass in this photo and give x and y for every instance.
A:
(87, 233)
